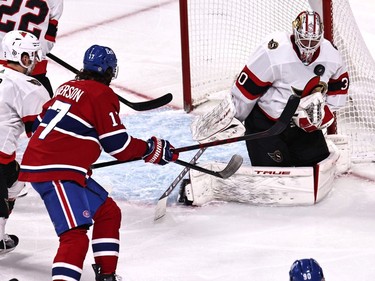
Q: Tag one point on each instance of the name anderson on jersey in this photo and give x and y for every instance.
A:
(70, 92)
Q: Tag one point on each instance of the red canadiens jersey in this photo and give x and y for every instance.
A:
(21, 100)
(274, 68)
(39, 17)
(80, 121)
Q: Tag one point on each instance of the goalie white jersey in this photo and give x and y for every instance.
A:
(275, 67)
(21, 100)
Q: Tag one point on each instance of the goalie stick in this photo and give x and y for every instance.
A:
(277, 128)
(138, 106)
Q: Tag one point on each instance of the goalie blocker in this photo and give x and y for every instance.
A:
(274, 186)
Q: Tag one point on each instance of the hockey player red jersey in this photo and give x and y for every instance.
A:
(73, 120)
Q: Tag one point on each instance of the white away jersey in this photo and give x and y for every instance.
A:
(21, 100)
(275, 67)
(39, 17)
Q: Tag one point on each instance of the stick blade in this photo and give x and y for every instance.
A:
(232, 167)
(151, 104)
(161, 208)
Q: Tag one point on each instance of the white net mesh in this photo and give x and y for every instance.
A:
(357, 119)
(223, 34)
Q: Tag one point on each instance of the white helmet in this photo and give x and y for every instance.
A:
(17, 42)
(308, 34)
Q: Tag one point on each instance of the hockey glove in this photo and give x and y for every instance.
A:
(159, 152)
(309, 123)
(313, 114)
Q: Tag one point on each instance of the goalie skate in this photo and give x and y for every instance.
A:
(199, 196)
(8, 244)
(182, 196)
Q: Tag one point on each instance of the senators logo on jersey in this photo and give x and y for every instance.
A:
(272, 45)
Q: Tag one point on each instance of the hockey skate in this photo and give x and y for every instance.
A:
(104, 277)
(8, 244)
(198, 195)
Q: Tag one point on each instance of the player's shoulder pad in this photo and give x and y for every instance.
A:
(34, 81)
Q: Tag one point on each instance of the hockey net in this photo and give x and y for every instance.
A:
(219, 36)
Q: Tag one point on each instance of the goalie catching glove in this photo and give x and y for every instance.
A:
(159, 151)
(313, 114)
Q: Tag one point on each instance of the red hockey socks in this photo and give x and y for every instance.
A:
(105, 237)
(68, 262)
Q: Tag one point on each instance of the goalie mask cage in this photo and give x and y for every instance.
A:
(218, 36)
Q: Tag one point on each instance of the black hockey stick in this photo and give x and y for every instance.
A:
(138, 106)
(233, 165)
(276, 129)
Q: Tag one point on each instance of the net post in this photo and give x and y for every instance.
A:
(185, 53)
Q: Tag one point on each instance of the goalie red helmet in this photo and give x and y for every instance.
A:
(17, 42)
(308, 34)
(100, 59)
(306, 270)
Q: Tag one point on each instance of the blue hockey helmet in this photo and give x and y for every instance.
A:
(99, 59)
(306, 270)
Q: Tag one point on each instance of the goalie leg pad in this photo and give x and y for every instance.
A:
(273, 186)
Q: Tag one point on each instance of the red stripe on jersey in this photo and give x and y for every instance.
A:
(338, 86)
(250, 85)
(51, 31)
(64, 203)
(29, 118)
(40, 67)
(6, 158)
